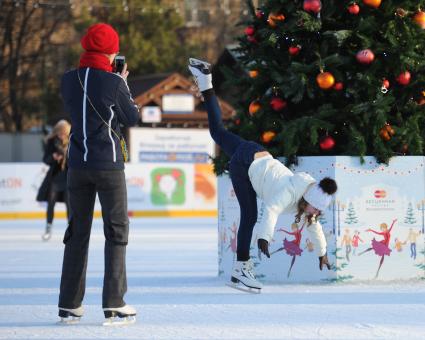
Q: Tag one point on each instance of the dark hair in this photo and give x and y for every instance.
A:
(301, 206)
(328, 185)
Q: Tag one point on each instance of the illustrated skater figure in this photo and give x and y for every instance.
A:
(292, 248)
(381, 247)
(98, 101)
(346, 240)
(355, 241)
(53, 187)
(412, 238)
(254, 172)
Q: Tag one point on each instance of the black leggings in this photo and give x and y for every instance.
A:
(51, 202)
(241, 153)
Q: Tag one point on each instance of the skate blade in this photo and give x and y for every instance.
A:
(197, 62)
(116, 321)
(243, 288)
(68, 321)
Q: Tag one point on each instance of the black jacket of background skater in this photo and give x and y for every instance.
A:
(92, 143)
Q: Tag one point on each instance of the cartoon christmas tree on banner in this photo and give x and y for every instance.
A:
(410, 215)
(351, 217)
(332, 77)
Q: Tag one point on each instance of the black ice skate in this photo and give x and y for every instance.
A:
(119, 316)
(244, 279)
(70, 316)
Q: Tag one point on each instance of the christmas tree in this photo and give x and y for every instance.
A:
(410, 215)
(332, 77)
(351, 217)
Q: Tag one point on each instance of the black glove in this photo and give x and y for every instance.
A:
(323, 260)
(263, 245)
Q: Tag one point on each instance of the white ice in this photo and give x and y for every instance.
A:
(173, 283)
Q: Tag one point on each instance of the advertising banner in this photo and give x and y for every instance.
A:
(170, 145)
(374, 227)
(153, 189)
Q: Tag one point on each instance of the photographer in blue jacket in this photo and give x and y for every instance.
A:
(98, 101)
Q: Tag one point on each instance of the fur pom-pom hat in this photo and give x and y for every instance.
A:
(320, 195)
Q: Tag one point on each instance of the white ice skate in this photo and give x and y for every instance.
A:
(70, 316)
(119, 316)
(201, 71)
(243, 278)
(47, 233)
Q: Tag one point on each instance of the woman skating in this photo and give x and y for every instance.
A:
(53, 188)
(254, 172)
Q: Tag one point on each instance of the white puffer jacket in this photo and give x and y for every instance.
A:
(281, 190)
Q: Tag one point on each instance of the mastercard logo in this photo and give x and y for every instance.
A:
(380, 194)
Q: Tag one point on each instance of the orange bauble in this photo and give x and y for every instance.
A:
(325, 80)
(274, 18)
(267, 136)
(254, 107)
(253, 73)
(419, 18)
(372, 3)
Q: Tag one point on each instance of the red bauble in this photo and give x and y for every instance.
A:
(277, 104)
(294, 50)
(327, 143)
(250, 30)
(354, 9)
(313, 6)
(259, 14)
(365, 56)
(385, 83)
(338, 86)
(404, 78)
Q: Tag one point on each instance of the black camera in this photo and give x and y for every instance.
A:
(119, 63)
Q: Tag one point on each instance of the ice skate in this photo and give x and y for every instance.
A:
(70, 316)
(243, 278)
(119, 316)
(47, 233)
(201, 72)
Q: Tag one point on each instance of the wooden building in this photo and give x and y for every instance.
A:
(150, 91)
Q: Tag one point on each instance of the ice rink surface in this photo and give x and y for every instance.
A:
(173, 283)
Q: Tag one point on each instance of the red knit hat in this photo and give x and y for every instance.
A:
(101, 38)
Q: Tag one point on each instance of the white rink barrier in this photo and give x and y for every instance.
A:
(153, 189)
(369, 196)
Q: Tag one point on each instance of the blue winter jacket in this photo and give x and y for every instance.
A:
(93, 145)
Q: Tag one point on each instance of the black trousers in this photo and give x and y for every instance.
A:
(241, 153)
(82, 188)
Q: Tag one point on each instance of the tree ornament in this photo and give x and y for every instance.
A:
(400, 12)
(354, 9)
(419, 18)
(385, 86)
(325, 80)
(313, 6)
(267, 136)
(250, 30)
(237, 121)
(274, 18)
(404, 78)
(338, 86)
(365, 56)
(386, 132)
(259, 14)
(253, 73)
(327, 143)
(421, 100)
(277, 103)
(254, 107)
(294, 50)
(252, 39)
(404, 148)
(372, 3)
